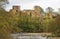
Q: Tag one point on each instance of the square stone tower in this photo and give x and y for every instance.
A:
(15, 11)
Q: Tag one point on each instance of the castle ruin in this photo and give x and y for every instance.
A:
(36, 13)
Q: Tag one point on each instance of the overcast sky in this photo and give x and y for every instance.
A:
(29, 4)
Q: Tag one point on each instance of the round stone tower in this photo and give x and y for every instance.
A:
(38, 10)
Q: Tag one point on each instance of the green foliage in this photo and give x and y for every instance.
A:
(4, 26)
(28, 24)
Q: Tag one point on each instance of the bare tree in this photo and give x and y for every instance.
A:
(49, 9)
(3, 2)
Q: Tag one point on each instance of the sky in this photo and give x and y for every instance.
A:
(29, 4)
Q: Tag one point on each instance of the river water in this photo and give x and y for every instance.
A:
(28, 36)
(31, 36)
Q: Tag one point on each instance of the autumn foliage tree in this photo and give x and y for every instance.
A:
(55, 26)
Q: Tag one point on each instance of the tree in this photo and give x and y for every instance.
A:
(28, 24)
(3, 2)
(49, 9)
(55, 26)
(4, 26)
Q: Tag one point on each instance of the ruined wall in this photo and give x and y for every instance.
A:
(36, 13)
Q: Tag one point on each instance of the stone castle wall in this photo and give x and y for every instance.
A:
(34, 13)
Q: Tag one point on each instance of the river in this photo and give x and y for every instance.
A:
(32, 36)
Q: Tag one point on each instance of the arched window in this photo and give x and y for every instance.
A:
(16, 10)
